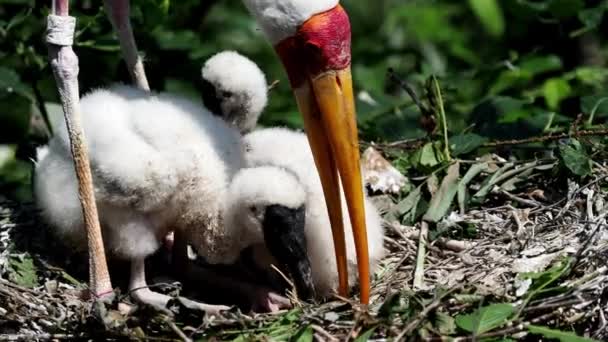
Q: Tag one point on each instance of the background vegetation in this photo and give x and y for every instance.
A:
(508, 69)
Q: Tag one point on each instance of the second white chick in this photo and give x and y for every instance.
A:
(159, 163)
(288, 149)
(235, 88)
(231, 76)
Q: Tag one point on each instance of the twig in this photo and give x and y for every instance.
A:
(443, 119)
(323, 332)
(412, 144)
(453, 245)
(422, 241)
(414, 323)
(392, 76)
(520, 200)
(273, 85)
(177, 330)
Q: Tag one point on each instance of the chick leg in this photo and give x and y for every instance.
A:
(139, 288)
(64, 62)
(118, 12)
(260, 298)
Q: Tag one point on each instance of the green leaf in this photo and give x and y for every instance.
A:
(490, 15)
(487, 185)
(365, 336)
(555, 90)
(591, 17)
(441, 201)
(390, 304)
(595, 105)
(565, 8)
(466, 143)
(462, 185)
(15, 117)
(303, 335)
(428, 155)
(444, 323)
(562, 336)
(10, 83)
(485, 319)
(536, 65)
(544, 279)
(22, 271)
(407, 205)
(575, 157)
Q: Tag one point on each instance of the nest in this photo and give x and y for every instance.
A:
(544, 261)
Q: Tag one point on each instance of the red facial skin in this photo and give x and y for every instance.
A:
(321, 44)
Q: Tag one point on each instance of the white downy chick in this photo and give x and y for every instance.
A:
(159, 163)
(235, 88)
(290, 151)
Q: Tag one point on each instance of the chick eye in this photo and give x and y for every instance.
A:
(253, 209)
(227, 94)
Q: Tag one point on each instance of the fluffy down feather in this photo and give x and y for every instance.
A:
(239, 88)
(290, 150)
(159, 163)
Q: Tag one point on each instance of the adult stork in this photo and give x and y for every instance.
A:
(312, 38)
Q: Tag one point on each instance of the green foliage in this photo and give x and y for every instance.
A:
(558, 335)
(22, 271)
(485, 70)
(485, 318)
(575, 158)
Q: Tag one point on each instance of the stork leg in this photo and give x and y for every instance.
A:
(64, 62)
(118, 12)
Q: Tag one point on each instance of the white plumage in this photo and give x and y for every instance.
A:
(159, 163)
(281, 19)
(291, 168)
(237, 86)
(290, 150)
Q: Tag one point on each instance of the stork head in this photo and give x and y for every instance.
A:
(313, 39)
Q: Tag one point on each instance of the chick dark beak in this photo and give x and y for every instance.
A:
(286, 240)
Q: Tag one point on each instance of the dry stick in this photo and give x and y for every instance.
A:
(118, 12)
(419, 273)
(64, 63)
(415, 143)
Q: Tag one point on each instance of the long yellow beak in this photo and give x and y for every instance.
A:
(327, 105)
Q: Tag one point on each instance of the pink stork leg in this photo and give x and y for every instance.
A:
(118, 12)
(64, 62)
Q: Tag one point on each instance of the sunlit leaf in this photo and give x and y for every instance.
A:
(490, 15)
(304, 335)
(466, 143)
(575, 157)
(22, 271)
(442, 200)
(555, 90)
(485, 319)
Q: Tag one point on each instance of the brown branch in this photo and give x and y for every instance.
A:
(412, 144)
